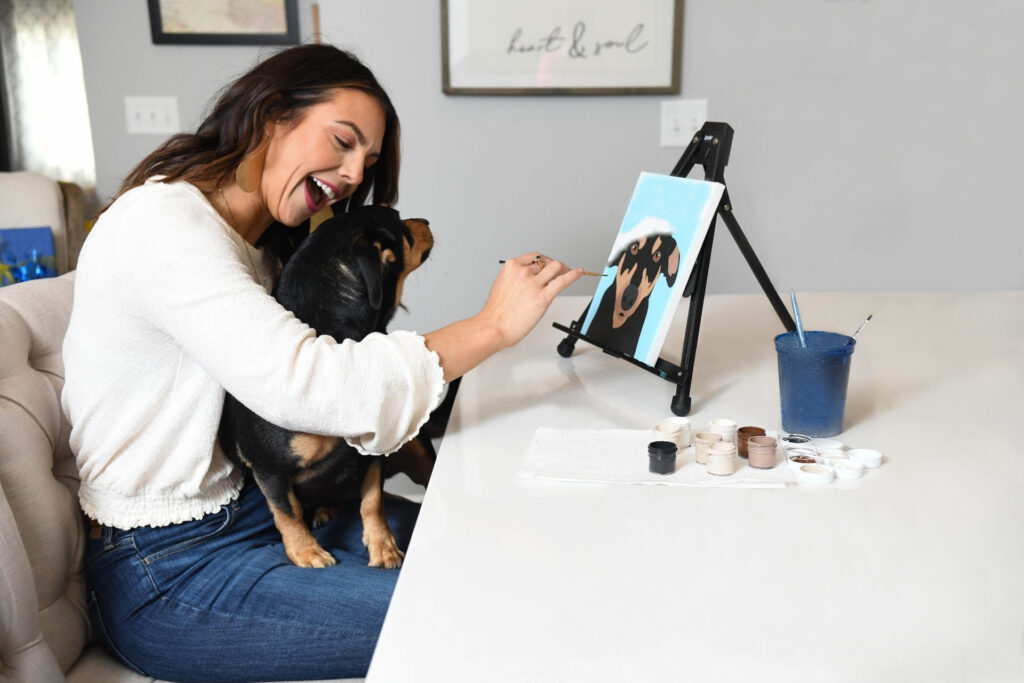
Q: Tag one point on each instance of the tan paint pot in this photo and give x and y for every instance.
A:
(701, 441)
(761, 452)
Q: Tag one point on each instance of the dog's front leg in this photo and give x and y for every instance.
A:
(377, 536)
(300, 546)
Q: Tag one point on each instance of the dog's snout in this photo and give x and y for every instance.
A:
(629, 295)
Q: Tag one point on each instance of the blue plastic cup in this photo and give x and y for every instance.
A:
(813, 380)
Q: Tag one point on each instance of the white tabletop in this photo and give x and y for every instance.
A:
(916, 574)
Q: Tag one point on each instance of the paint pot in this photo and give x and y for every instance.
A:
(684, 429)
(815, 475)
(813, 380)
(798, 457)
(721, 458)
(743, 435)
(701, 441)
(827, 445)
(832, 457)
(848, 469)
(866, 456)
(761, 452)
(661, 456)
(788, 441)
(725, 427)
(666, 431)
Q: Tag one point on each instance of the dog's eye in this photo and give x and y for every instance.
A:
(657, 256)
(634, 248)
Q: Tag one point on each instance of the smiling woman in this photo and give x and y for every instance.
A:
(172, 309)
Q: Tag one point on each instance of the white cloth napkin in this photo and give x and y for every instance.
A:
(619, 456)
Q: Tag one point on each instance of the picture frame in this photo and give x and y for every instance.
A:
(220, 22)
(561, 47)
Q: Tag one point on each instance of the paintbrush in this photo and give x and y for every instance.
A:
(537, 260)
(796, 318)
(861, 326)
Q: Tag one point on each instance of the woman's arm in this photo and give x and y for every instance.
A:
(518, 299)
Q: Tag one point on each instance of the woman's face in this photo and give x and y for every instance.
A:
(322, 158)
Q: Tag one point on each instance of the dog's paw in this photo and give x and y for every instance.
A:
(384, 552)
(312, 557)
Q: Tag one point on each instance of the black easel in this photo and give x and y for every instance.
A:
(710, 148)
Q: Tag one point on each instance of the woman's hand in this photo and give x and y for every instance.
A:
(522, 292)
(520, 295)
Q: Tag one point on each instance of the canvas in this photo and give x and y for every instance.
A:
(650, 262)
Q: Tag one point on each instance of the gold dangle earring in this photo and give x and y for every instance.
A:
(250, 169)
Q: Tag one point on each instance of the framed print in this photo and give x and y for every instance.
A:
(224, 22)
(561, 47)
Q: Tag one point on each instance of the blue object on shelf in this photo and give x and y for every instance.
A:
(26, 254)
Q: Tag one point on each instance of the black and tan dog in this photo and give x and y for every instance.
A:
(344, 280)
(620, 316)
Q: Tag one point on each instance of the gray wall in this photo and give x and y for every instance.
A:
(877, 143)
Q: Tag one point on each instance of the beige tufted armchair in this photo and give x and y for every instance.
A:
(45, 633)
(44, 626)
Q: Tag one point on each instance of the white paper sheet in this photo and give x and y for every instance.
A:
(619, 456)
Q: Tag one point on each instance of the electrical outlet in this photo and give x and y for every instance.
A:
(151, 115)
(680, 119)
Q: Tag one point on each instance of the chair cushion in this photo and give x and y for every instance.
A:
(37, 470)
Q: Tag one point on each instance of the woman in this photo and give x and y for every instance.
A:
(187, 578)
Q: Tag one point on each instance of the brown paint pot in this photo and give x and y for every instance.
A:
(701, 441)
(761, 452)
(743, 434)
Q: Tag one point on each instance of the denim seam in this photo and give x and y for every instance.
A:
(290, 623)
(229, 518)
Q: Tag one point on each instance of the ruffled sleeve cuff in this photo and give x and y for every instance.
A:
(413, 381)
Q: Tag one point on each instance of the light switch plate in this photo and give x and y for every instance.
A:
(151, 115)
(680, 119)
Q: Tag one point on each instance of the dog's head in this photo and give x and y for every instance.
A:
(638, 267)
(346, 278)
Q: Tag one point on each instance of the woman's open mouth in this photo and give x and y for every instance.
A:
(319, 193)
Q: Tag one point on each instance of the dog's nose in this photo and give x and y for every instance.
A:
(629, 295)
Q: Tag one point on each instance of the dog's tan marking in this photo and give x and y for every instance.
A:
(422, 242)
(377, 536)
(619, 314)
(299, 544)
(309, 448)
(386, 255)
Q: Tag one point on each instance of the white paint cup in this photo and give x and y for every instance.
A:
(722, 458)
(667, 431)
(684, 429)
(725, 427)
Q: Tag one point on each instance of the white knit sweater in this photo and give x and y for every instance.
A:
(171, 308)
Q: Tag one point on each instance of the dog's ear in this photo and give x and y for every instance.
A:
(368, 258)
(672, 267)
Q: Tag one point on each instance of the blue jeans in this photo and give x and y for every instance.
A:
(216, 599)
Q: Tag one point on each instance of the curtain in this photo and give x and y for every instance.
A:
(44, 91)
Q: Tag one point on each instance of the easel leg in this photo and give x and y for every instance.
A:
(725, 209)
(682, 402)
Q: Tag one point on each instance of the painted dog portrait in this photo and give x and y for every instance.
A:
(623, 308)
(344, 280)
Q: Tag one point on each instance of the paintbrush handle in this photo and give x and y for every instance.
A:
(796, 318)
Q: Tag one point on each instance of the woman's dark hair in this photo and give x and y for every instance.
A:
(277, 90)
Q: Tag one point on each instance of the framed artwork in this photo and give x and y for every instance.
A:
(650, 263)
(224, 22)
(561, 47)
